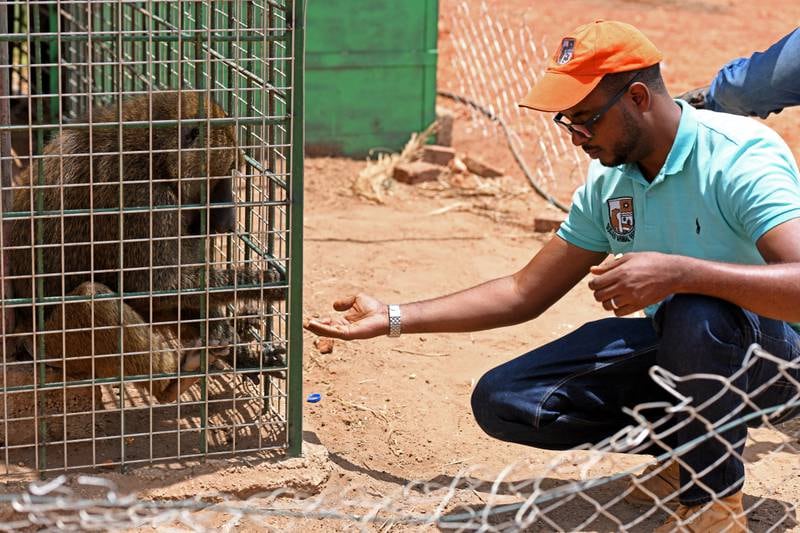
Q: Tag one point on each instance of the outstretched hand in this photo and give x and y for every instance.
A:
(364, 317)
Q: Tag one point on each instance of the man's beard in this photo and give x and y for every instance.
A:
(623, 149)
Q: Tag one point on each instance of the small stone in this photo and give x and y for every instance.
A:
(438, 155)
(324, 345)
(416, 172)
(457, 166)
(481, 168)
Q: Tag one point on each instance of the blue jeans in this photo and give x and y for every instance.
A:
(761, 84)
(571, 391)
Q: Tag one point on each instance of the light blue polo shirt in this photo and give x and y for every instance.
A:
(727, 180)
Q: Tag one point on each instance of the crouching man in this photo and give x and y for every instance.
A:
(705, 209)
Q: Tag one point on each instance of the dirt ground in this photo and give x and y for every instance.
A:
(394, 411)
(397, 410)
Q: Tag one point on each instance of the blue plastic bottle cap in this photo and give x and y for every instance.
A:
(314, 397)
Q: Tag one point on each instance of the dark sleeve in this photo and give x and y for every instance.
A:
(761, 84)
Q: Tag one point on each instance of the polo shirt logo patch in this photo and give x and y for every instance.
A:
(621, 223)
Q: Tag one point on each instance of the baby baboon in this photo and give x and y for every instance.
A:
(151, 253)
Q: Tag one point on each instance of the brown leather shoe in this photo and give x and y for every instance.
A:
(725, 515)
(658, 483)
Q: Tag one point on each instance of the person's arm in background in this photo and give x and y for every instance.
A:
(764, 83)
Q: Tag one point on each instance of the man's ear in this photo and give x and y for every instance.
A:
(641, 96)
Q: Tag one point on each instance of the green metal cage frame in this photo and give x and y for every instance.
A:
(255, 72)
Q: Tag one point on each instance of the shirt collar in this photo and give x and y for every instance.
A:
(682, 146)
(684, 139)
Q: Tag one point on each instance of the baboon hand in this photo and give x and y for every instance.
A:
(271, 276)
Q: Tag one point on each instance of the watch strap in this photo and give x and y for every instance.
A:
(395, 320)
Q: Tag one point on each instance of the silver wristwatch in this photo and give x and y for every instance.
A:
(395, 320)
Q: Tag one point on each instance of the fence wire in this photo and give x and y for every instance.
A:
(495, 62)
(580, 489)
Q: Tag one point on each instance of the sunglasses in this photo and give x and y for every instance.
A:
(584, 129)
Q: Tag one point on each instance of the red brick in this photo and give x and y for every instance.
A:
(416, 172)
(482, 169)
(438, 155)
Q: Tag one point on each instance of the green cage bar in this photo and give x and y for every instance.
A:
(296, 273)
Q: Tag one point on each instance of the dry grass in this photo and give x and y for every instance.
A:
(375, 178)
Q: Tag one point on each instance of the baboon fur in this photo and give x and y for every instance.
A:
(138, 252)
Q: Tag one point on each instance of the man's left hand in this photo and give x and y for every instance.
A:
(625, 284)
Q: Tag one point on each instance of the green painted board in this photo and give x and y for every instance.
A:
(370, 78)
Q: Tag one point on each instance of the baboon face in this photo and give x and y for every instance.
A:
(221, 157)
(207, 156)
(199, 154)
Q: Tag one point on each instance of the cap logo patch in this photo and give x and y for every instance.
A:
(566, 50)
(621, 225)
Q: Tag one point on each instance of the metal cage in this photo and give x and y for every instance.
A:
(106, 103)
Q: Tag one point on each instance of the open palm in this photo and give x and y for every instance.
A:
(364, 317)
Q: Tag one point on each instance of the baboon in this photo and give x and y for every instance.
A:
(141, 266)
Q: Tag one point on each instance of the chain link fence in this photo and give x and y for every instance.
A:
(577, 490)
(496, 61)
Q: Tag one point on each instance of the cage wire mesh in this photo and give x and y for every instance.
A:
(574, 490)
(150, 237)
(495, 62)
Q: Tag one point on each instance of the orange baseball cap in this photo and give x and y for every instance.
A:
(586, 55)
